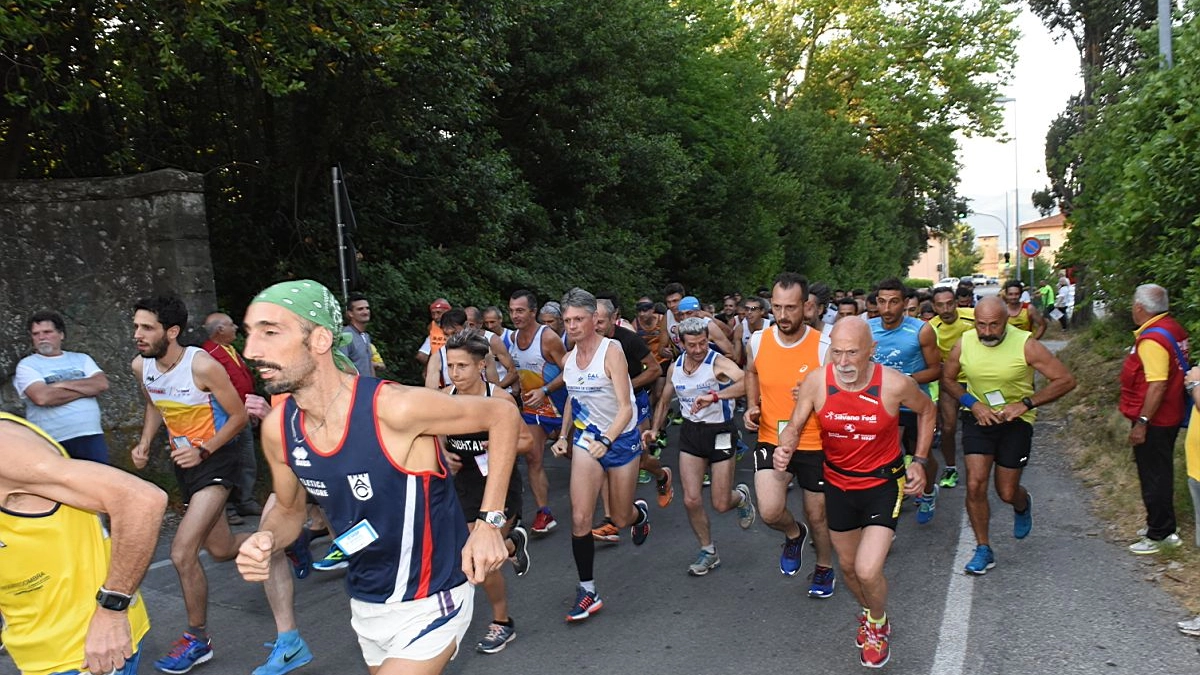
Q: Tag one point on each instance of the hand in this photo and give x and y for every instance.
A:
(254, 556)
(750, 418)
(782, 457)
(796, 390)
(1192, 375)
(914, 479)
(703, 402)
(108, 644)
(984, 415)
(665, 351)
(789, 438)
(561, 447)
(484, 553)
(1013, 411)
(186, 457)
(1137, 434)
(453, 462)
(649, 436)
(257, 406)
(534, 399)
(140, 455)
(597, 449)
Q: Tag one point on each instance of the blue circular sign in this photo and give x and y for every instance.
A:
(1031, 247)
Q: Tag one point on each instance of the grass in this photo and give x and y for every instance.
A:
(1096, 442)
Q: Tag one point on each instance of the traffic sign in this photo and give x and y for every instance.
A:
(1031, 246)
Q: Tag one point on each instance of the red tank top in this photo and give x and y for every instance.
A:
(857, 432)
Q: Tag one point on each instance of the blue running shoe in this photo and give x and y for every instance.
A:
(982, 561)
(586, 604)
(299, 555)
(926, 505)
(793, 552)
(286, 656)
(823, 582)
(741, 450)
(640, 532)
(188, 652)
(1023, 522)
(334, 560)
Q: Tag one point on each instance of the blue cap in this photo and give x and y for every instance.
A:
(689, 304)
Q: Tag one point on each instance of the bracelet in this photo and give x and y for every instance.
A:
(967, 400)
(604, 440)
(546, 391)
(1189, 386)
(923, 461)
(716, 396)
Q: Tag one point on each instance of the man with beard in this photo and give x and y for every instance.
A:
(1022, 314)
(367, 450)
(779, 359)
(189, 392)
(996, 363)
(948, 326)
(857, 404)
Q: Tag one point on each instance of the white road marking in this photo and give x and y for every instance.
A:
(956, 615)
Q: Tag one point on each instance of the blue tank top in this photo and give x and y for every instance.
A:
(417, 515)
(900, 347)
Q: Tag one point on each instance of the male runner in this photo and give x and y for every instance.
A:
(1022, 314)
(189, 392)
(997, 362)
(948, 326)
(857, 403)
(367, 450)
(707, 385)
(68, 589)
(778, 360)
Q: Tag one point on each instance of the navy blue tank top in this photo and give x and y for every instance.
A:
(420, 523)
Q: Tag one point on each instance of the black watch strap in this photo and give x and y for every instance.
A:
(1028, 403)
(605, 441)
(112, 600)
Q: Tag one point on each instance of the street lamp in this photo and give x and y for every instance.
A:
(1016, 180)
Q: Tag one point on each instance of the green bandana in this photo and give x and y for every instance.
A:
(312, 301)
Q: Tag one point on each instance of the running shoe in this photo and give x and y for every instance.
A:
(861, 638)
(666, 490)
(1189, 627)
(607, 532)
(949, 478)
(299, 555)
(640, 532)
(745, 512)
(793, 552)
(982, 561)
(497, 638)
(677, 418)
(875, 651)
(543, 522)
(520, 558)
(286, 656)
(586, 604)
(823, 582)
(188, 652)
(1023, 522)
(643, 477)
(660, 443)
(926, 506)
(705, 562)
(1148, 546)
(334, 560)
(741, 450)
(234, 518)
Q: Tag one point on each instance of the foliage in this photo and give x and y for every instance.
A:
(963, 252)
(919, 283)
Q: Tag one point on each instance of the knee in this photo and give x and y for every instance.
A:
(695, 502)
(184, 557)
(1006, 493)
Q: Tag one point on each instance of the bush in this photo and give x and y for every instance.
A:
(919, 283)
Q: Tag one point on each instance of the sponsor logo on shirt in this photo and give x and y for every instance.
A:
(360, 486)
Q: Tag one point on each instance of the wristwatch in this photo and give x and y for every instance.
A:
(605, 441)
(1143, 420)
(496, 519)
(205, 453)
(1028, 402)
(112, 600)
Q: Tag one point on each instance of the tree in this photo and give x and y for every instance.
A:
(964, 254)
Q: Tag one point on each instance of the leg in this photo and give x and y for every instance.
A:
(846, 544)
(1009, 488)
(770, 489)
(433, 666)
(243, 492)
(691, 474)
(203, 515)
(1156, 473)
(721, 491)
(948, 411)
(279, 587)
(873, 546)
(1194, 489)
(979, 473)
(622, 486)
(539, 485)
(814, 515)
(604, 499)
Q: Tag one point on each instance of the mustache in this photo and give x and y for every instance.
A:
(254, 363)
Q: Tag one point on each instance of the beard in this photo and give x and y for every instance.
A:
(288, 380)
(786, 327)
(157, 350)
(46, 349)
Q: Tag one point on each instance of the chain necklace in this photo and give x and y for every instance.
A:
(325, 415)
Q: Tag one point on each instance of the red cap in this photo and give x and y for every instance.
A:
(440, 303)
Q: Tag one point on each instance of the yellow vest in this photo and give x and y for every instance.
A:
(1001, 371)
(51, 565)
(949, 333)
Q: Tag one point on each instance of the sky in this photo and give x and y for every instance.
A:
(1045, 76)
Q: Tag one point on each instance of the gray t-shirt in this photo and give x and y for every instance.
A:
(80, 417)
(359, 350)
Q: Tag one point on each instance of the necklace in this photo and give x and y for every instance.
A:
(325, 415)
(163, 372)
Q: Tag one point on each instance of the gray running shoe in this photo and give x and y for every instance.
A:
(745, 512)
(705, 562)
(497, 638)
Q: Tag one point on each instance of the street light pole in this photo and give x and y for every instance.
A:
(1016, 181)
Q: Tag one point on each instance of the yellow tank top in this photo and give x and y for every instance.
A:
(51, 565)
(780, 369)
(1021, 320)
(948, 333)
(998, 375)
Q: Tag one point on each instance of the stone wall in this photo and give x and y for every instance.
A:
(88, 249)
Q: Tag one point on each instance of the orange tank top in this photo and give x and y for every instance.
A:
(781, 369)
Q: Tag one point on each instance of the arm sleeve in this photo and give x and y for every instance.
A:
(89, 366)
(426, 347)
(24, 377)
(1155, 360)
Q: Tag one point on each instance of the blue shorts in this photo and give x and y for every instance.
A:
(642, 401)
(548, 424)
(625, 448)
(91, 447)
(130, 667)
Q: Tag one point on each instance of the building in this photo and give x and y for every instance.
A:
(1051, 231)
(991, 264)
(932, 262)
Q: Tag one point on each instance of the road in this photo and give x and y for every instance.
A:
(1063, 600)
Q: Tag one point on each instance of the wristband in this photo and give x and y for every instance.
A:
(1028, 403)
(546, 391)
(967, 400)
(923, 461)
(604, 440)
(716, 397)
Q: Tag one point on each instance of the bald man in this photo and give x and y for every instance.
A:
(857, 405)
(997, 362)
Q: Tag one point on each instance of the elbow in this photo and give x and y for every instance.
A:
(1071, 382)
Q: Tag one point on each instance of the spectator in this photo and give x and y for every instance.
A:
(436, 338)
(60, 389)
(358, 315)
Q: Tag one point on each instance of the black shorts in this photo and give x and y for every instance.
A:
(806, 466)
(908, 428)
(221, 468)
(699, 439)
(1009, 444)
(847, 510)
(469, 486)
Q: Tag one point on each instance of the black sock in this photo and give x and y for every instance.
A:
(584, 550)
(508, 623)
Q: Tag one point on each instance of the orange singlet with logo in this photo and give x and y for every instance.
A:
(781, 368)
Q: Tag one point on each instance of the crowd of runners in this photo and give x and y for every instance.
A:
(846, 395)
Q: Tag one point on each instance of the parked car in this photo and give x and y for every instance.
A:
(993, 281)
(979, 279)
(952, 282)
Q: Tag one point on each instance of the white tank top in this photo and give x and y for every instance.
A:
(746, 332)
(187, 410)
(532, 372)
(593, 393)
(689, 387)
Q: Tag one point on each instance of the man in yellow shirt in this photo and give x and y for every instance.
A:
(68, 589)
(948, 326)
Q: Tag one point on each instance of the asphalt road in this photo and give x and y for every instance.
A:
(1063, 600)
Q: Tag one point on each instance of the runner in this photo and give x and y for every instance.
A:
(948, 326)
(367, 450)
(779, 359)
(191, 393)
(707, 385)
(997, 361)
(599, 433)
(857, 403)
(1022, 314)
